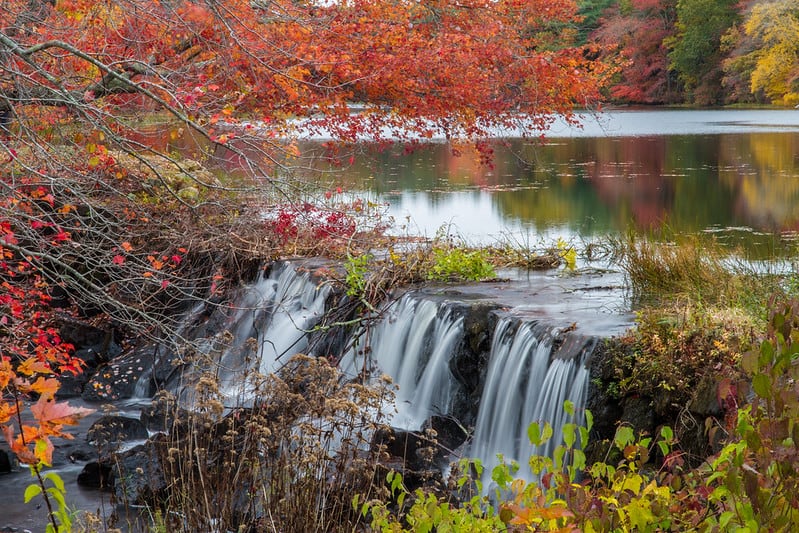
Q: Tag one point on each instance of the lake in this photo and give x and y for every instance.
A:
(732, 174)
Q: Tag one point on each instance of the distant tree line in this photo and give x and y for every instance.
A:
(702, 52)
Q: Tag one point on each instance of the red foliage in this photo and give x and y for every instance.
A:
(634, 39)
(313, 222)
(33, 354)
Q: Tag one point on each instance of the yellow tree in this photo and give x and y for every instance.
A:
(775, 26)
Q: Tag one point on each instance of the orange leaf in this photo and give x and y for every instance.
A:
(7, 411)
(46, 387)
(17, 444)
(49, 412)
(33, 365)
(6, 372)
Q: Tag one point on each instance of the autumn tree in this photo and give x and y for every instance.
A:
(695, 49)
(739, 62)
(632, 36)
(772, 62)
(591, 13)
(76, 76)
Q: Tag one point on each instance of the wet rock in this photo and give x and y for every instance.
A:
(8, 461)
(163, 414)
(448, 432)
(139, 478)
(469, 362)
(97, 475)
(431, 479)
(94, 346)
(117, 379)
(109, 431)
(602, 401)
(424, 450)
(705, 400)
(73, 451)
(637, 412)
(202, 323)
(84, 334)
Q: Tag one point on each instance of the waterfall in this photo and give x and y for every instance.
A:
(269, 324)
(527, 379)
(413, 344)
(527, 383)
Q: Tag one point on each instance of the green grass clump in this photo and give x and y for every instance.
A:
(695, 272)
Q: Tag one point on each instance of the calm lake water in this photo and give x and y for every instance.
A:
(733, 174)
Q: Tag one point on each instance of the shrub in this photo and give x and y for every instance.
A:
(290, 460)
(457, 263)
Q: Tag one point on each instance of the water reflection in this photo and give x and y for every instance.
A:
(733, 174)
(736, 186)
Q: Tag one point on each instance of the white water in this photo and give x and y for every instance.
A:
(527, 381)
(270, 324)
(524, 386)
(413, 344)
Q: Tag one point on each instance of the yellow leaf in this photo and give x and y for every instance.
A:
(32, 365)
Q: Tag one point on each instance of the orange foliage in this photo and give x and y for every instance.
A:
(450, 66)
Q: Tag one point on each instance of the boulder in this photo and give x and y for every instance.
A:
(8, 461)
(117, 379)
(97, 475)
(139, 476)
(109, 431)
(94, 346)
(162, 414)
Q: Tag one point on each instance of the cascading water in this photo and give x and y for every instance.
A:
(527, 383)
(412, 344)
(270, 323)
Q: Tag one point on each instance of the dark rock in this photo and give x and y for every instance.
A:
(637, 412)
(602, 401)
(203, 322)
(8, 461)
(400, 444)
(83, 334)
(117, 380)
(449, 434)
(469, 362)
(72, 386)
(431, 479)
(139, 477)
(573, 345)
(73, 451)
(59, 297)
(97, 475)
(163, 413)
(420, 451)
(108, 432)
(705, 399)
(94, 346)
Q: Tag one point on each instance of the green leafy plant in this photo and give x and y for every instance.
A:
(357, 267)
(622, 496)
(61, 517)
(428, 512)
(456, 263)
(755, 478)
